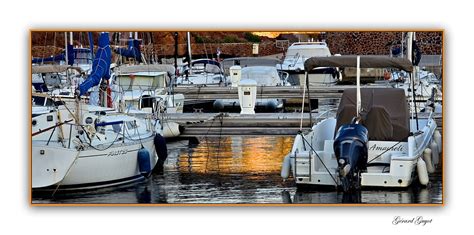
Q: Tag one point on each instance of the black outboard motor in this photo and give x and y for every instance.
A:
(350, 147)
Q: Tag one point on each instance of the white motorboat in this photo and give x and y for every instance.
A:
(373, 141)
(263, 76)
(146, 89)
(295, 57)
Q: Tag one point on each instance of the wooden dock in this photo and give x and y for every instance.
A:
(217, 124)
(282, 92)
(292, 94)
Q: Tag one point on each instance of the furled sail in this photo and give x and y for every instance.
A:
(100, 65)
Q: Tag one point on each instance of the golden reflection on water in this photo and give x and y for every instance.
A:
(236, 155)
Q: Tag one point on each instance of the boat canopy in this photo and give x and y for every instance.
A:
(52, 68)
(365, 62)
(384, 112)
(263, 75)
(250, 61)
(126, 69)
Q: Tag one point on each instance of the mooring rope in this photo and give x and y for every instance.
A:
(67, 172)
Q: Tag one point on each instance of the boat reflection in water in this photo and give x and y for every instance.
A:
(415, 194)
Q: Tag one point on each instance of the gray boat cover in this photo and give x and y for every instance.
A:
(248, 62)
(365, 62)
(53, 68)
(384, 112)
(145, 68)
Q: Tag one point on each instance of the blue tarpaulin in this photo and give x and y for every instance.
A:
(100, 65)
(133, 50)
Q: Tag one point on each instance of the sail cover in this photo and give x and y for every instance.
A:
(100, 65)
(365, 62)
(133, 50)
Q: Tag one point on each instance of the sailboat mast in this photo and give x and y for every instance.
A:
(413, 74)
(359, 103)
(188, 39)
(65, 46)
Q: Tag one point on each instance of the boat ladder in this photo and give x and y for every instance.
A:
(303, 162)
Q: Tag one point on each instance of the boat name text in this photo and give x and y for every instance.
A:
(398, 148)
(117, 152)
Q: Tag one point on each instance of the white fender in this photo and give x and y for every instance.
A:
(439, 141)
(434, 152)
(171, 129)
(285, 168)
(427, 159)
(422, 172)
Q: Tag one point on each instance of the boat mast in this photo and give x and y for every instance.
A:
(67, 60)
(412, 75)
(188, 39)
(65, 46)
(401, 46)
(359, 103)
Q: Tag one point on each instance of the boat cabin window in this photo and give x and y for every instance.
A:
(147, 102)
(42, 101)
(89, 120)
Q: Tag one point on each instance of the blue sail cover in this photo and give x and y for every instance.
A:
(100, 65)
(57, 58)
(133, 50)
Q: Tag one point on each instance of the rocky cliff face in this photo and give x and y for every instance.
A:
(206, 44)
(376, 43)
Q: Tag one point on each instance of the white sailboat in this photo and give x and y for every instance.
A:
(98, 148)
(80, 146)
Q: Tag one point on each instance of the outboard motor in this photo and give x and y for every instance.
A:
(350, 147)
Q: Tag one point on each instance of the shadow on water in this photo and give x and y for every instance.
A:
(235, 169)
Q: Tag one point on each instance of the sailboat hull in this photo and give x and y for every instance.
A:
(55, 166)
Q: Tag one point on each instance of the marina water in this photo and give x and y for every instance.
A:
(231, 170)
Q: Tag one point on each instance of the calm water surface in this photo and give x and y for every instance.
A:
(234, 169)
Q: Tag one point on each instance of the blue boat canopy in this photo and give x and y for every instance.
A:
(133, 50)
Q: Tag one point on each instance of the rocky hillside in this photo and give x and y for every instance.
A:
(161, 44)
